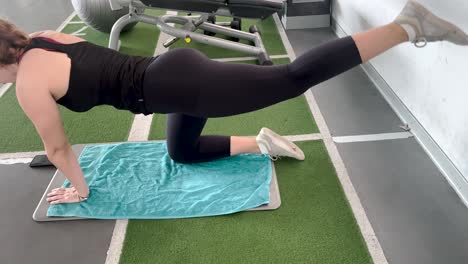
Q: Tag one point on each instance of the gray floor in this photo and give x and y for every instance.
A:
(24, 241)
(36, 15)
(416, 215)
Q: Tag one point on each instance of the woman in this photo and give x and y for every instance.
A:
(52, 68)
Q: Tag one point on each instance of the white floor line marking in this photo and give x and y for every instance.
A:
(79, 32)
(68, 20)
(250, 58)
(139, 132)
(365, 226)
(75, 22)
(140, 128)
(4, 88)
(20, 155)
(304, 137)
(372, 137)
(15, 161)
(116, 244)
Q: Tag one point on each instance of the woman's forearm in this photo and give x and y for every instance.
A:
(66, 161)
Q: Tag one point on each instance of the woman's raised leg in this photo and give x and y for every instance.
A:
(186, 81)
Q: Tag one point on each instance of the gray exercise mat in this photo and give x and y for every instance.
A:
(40, 214)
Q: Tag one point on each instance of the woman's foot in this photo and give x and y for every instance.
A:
(423, 26)
(276, 146)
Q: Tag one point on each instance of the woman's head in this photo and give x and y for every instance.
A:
(12, 42)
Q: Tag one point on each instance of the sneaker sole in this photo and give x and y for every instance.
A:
(289, 145)
(439, 22)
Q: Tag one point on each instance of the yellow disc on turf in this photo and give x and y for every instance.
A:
(188, 39)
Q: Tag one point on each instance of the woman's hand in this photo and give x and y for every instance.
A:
(64, 195)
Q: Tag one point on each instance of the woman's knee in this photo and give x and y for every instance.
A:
(179, 154)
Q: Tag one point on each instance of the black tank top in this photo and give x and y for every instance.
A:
(99, 76)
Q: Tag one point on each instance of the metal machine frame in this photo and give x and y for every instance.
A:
(189, 25)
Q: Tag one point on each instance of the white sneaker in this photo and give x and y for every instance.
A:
(276, 146)
(427, 27)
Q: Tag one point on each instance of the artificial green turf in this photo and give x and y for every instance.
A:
(76, 18)
(291, 117)
(17, 132)
(101, 124)
(141, 40)
(269, 33)
(313, 225)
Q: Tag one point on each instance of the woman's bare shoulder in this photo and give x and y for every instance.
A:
(58, 36)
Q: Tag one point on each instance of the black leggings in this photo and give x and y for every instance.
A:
(190, 88)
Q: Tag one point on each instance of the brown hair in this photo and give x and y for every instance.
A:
(12, 41)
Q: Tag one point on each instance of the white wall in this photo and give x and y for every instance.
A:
(432, 82)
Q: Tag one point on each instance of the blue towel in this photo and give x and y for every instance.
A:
(141, 181)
